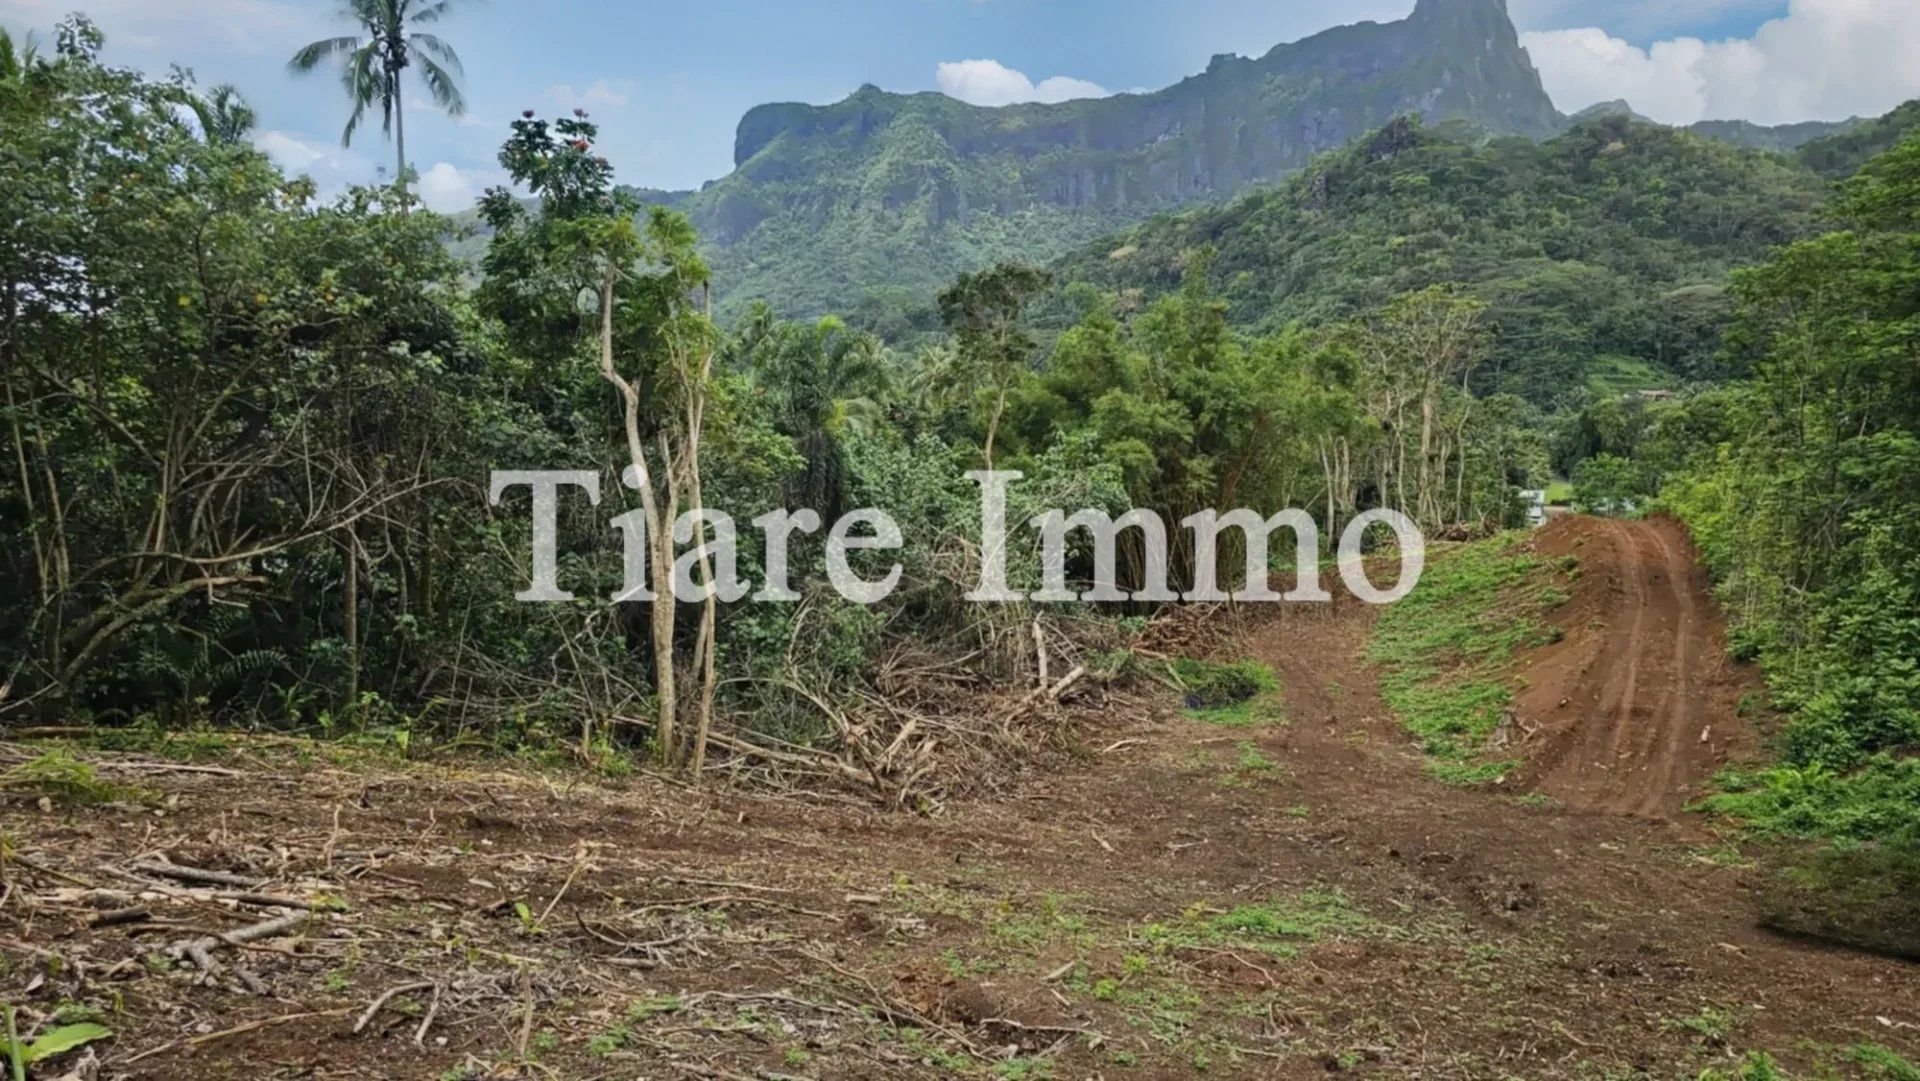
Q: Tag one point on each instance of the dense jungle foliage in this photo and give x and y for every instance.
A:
(248, 431)
(1602, 254)
(1799, 485)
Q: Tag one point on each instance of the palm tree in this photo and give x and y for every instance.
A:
(12, 64)
(225, 117)
(374, 63)
(17, 64)
(824, 383)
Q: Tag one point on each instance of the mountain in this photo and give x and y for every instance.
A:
(828, 203)
(1779, 137)
(1782, 137)
(1602, 253)
(1616, 107)
(1841, 153)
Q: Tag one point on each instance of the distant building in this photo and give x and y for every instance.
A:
(1536, 501)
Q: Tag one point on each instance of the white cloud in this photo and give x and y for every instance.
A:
(1823, 60)
(446, 188)
(989, 82)
(332, 167)
(286, 151)
(249, 26)
(296, 154)
(599, 94)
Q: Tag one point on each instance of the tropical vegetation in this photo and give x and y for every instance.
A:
(250, 486)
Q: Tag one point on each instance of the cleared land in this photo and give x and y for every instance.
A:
(1276, 891)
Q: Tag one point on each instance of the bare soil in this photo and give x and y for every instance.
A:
(1638, 702)
(1280, 900)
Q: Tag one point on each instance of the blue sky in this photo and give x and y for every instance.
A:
(669, 80)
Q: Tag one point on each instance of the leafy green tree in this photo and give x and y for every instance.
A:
(1803, 506)
(1416, 360)
(984, 310)
(193, 441)
(823, 382)
(654, 342)
(1607, 484)
(374, 61)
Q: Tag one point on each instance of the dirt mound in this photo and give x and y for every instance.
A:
(1637, 703)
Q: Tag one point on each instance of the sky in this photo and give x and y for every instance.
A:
(668, 81)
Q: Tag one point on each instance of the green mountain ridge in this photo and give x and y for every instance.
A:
(1603, 252)
(1782, 137)
(876, 201)
(829, 202)
(1842, 152)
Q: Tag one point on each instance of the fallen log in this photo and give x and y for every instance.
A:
(182, 873)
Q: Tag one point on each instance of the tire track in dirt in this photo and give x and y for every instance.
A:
(1631, 698)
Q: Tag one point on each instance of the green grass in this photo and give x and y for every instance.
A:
(1024, 1069)
(1445, 650)
(58, 776)
(1211, 684)
(1251, 766)
(1029, 927)
(1712, 1024)
(1234, 694)
(1879, 800)
(1757, 1066)
(1610, 375)
(1470, 774)
(1883, 1065)
(1149, 982)
(1261, 712)
(1276, 927)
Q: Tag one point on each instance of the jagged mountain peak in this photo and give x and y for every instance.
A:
(917, 187)
(1616, 107)
(1431, 11)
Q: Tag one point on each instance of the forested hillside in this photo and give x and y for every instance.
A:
(869, 204)
(827, 203)
(1603, 254)
(1842, 153)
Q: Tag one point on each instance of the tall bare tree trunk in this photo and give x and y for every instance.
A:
(1425, 510)
(710, 611)
(659, 533)
(993, 427)
(1333, 495)
(350, 610)
(399, 138)
(1400, 456)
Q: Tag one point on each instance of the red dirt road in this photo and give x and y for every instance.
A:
(1637, 704)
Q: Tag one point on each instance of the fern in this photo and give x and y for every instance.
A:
(245, 663)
